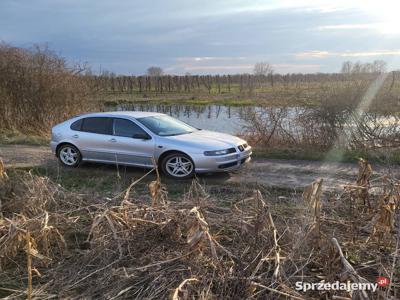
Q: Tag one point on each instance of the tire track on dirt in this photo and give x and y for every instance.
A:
(267, 172)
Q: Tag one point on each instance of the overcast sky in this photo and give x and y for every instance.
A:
(207, 36)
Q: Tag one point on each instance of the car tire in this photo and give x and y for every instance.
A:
(69, 156)
(178, 165)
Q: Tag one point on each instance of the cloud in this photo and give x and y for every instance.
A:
(209, 58)
(382, 28)
(203, 67)
(203, 36)
(323, 54)
(348, 26)
(313, 54)
(372, 53)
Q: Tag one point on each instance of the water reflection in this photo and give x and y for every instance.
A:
(296, 123)
(221, 118)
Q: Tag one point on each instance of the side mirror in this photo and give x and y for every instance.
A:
(141, 136)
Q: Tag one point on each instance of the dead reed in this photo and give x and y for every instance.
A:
(195, 249)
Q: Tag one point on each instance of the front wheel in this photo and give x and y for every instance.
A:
(69, 155)
(178, 165)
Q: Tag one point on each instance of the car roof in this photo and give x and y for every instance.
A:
(132, 114)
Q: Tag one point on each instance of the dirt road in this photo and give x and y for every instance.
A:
(268, 172)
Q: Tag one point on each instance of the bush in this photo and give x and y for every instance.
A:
(38, 89)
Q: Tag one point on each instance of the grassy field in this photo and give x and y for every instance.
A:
(266, 96)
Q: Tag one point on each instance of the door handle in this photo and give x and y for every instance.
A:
(113, 140)
(75, 136)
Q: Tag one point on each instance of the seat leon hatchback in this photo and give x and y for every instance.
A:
(144, 138)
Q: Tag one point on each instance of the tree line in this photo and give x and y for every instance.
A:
(263, 77)
(216, 84)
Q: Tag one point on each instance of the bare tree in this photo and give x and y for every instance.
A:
(347, 67)
(155, 71)
(263, 68)
(261, 71)
(377, 66)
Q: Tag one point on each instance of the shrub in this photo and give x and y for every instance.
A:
(38, 89)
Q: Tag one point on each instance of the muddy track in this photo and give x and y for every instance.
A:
(268, 172)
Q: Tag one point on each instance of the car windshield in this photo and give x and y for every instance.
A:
(166, 126)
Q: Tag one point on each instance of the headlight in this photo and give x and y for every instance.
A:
(219, 152)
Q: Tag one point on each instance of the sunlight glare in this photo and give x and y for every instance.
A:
(386, 13)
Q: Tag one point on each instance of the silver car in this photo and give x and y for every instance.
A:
(142, 138)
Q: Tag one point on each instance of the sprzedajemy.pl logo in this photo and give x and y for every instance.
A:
(342, 286)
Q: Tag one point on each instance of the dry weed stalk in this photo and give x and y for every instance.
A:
(3, 178)
(312, 198)
(3, 174)
(47, 242)
(29, 264)
(348, 271)
(180, 293)
(383, 223)
(125, 198)
(364, 175)
(158, 191)
(196, 194)
(359, 198)
(277, 249)
(199, 233)
(380, 217)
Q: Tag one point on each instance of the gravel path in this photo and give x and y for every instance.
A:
(269, 172)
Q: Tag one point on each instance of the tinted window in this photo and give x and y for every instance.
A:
(97, 125)
(77, 125)
(123, 127)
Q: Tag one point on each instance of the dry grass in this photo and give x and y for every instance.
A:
(77, 247)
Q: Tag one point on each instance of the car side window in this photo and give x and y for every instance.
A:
(127, 128)
(77, 125)
(99, 125)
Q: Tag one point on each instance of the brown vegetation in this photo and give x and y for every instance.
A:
(38, 89)
(84, 247)
(358, 114)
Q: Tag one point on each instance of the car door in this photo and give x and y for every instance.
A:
(94, 139)
(132, 144)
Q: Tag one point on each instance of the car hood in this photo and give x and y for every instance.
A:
(206, 140)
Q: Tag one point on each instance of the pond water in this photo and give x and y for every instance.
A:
(221, 118)
(235, 119)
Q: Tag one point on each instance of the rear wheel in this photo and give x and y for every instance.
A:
(178, 165)
(69, 155)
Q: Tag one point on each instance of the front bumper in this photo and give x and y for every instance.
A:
(223, 163)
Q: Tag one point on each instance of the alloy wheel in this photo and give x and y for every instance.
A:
(179, 166)
(69, 156)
